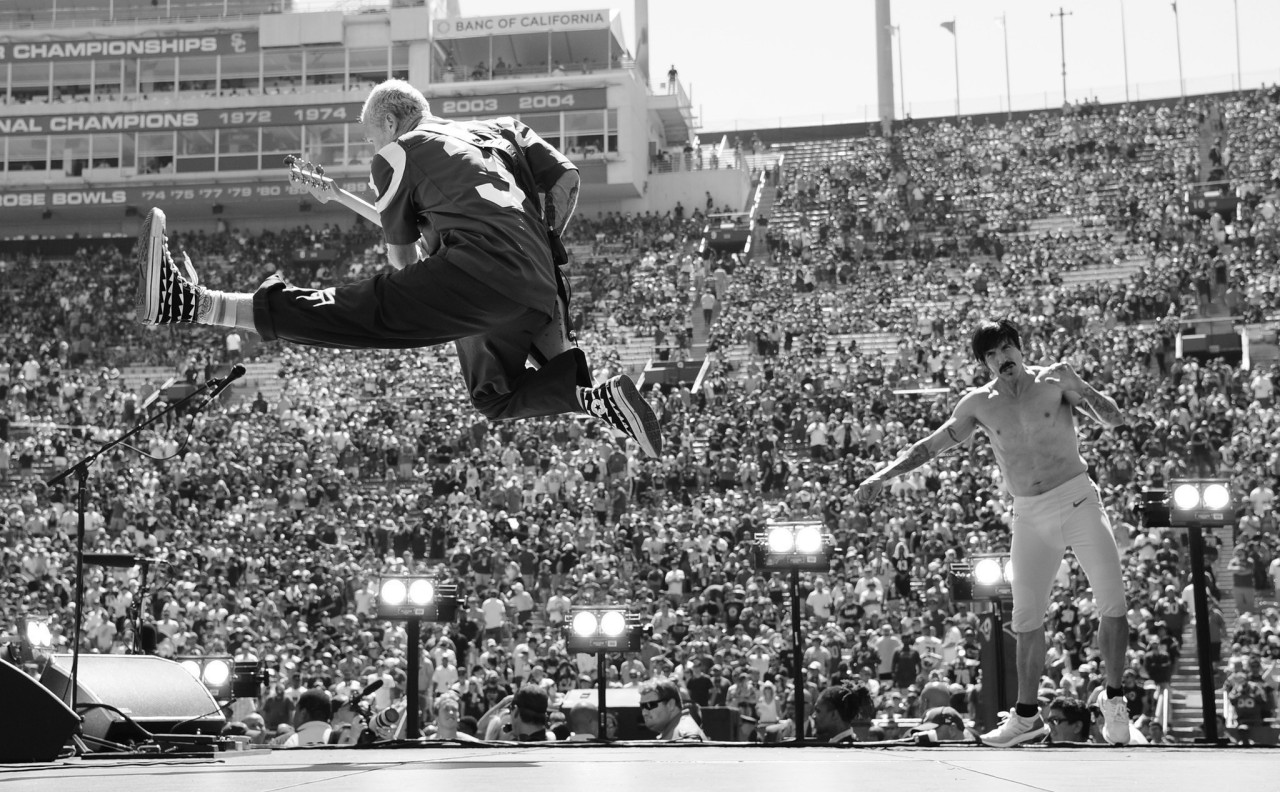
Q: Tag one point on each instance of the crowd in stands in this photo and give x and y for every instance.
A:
(272, 519)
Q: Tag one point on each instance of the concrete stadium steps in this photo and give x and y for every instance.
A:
(1103, 273)
(261, 375)
(143, 380)
(634, 353)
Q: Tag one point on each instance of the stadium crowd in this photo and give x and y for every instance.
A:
(271, 519)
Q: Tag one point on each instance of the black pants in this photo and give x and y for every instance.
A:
(428, 303)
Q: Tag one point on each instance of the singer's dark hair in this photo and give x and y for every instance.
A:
(990, 334)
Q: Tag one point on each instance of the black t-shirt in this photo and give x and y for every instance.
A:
(700, 690)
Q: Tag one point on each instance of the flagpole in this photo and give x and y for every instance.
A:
(1177, 28)
(1008, 91)
(955, 47)
(1239, 74)
(1124, 49)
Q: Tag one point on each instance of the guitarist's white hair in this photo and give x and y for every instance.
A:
(395, 99)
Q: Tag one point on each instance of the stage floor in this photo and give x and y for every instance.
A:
(655, 768)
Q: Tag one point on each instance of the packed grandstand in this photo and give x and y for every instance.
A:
(835, 340)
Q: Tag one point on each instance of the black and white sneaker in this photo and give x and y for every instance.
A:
(619, 402)
(165, 295)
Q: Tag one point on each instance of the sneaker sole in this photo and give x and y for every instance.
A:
(639, 416)
(1038, 734)
(149, 256)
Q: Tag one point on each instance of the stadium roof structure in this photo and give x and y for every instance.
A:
(23, 14)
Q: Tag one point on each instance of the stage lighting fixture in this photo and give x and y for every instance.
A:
(1200, 502)
(603, 629)
(421, 598)
(214, 671)
(793, 545)
(37, 632)
(984, 577)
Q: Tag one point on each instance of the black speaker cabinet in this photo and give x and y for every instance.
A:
(722, 724)
(159, 695)
(38, 724)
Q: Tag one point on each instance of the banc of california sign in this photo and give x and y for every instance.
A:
(518, 24)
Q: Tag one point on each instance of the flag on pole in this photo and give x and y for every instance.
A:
(950, 26)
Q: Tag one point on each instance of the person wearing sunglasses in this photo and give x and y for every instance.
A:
(664, 712)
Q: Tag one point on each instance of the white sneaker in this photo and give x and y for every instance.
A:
(1115, 719)
(1015, 730)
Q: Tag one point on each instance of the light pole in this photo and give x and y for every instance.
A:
(896, 31)
(1235, 4)
(1062, 40)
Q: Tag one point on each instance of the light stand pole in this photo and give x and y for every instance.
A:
(797, 655)
(415, 599)
(791, 547)
(1197, 504)
(1200, 596)
(1177, 31)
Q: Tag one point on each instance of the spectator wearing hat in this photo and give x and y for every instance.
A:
(944, 722)
(664, 712)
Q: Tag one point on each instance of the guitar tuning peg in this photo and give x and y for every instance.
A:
(320, 170)
(289, 159)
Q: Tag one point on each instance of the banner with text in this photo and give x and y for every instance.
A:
(169, 120)
(518, 24)
(149, 195)
(487, 105)
(150, 47)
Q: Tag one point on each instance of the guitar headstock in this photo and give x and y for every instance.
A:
(310, 176)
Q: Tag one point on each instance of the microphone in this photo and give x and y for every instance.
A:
(116, 560)
(370, 689)
(237, 371)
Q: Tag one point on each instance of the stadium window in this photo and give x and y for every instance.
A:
(198, 73)
(281, 71)
(611, 131)
(280, 140)
(104, 149)
(400, 61)
(28, 153)
(324, 143)
(156, 75)
(155, 152)
(367, 66)
(128, 151)
(325, 66)
(70, 153)
(237, 149)
(72, 79)
(107, 76)
(241, 73)
(30, 81)
(195, 143)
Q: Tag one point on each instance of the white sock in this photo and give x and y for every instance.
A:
(221, 309)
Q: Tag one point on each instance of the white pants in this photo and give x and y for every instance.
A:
(1044, 526)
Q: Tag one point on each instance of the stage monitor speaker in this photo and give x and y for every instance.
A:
(38, 724)
(158, 694)
(622, 703)
(722, 724)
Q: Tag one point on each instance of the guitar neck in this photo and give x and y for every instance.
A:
(358, 205)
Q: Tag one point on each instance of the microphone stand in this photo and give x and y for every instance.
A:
(80, 470)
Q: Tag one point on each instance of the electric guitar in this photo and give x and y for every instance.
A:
(324, 189)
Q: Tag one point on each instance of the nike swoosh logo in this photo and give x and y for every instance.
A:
(1082, 500)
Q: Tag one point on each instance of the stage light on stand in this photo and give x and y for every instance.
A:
(1202, 502)
(791, 547)
(599, 630)
(1197, 504)
(415, 599)
(987, 581)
